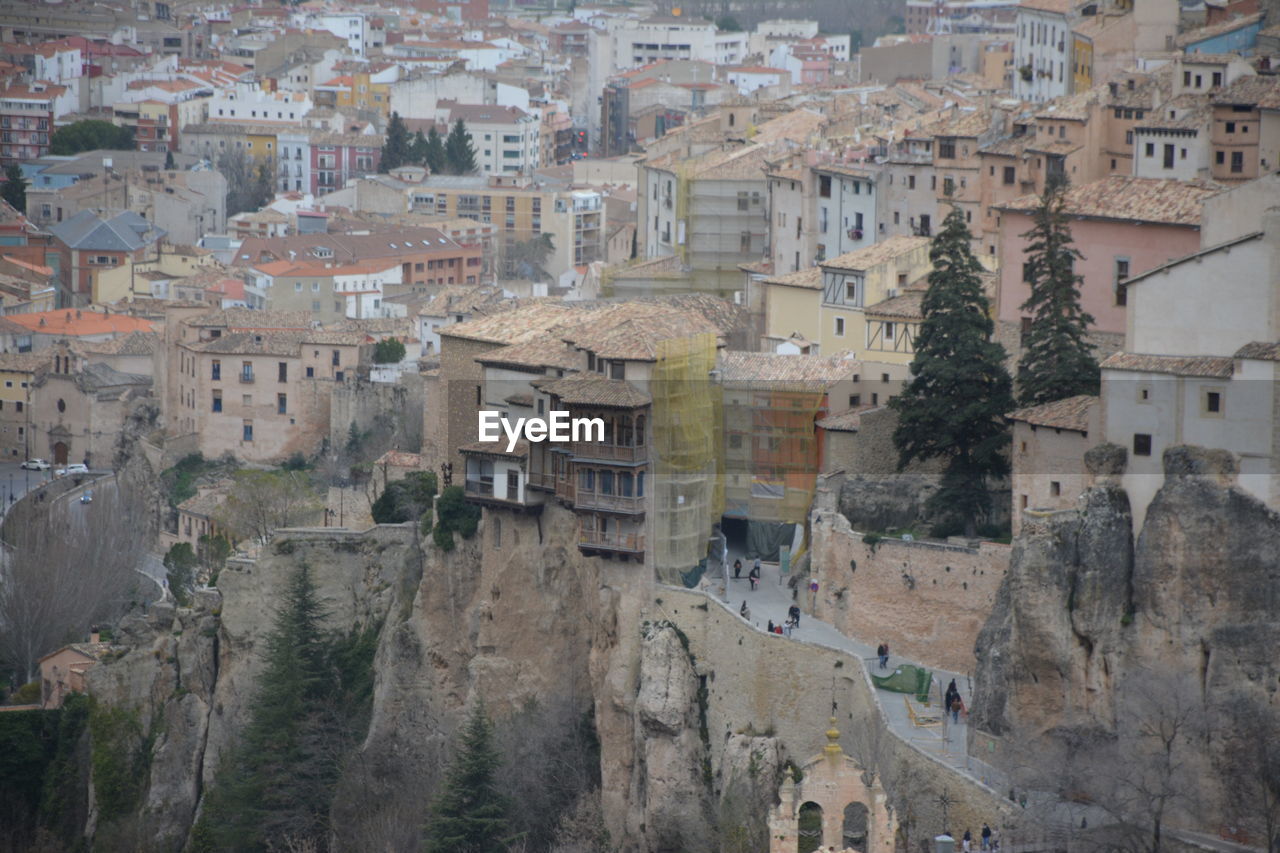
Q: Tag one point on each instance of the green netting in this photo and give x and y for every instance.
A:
(906, 678)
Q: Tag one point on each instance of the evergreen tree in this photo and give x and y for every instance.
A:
(959, 389)
(14, 189)
(275, 785)
(168, 160)
(1057, 360)
(435, 158)
(90, 135)
(469, 815)
(418, 150)
(460, 154)
(396, 150)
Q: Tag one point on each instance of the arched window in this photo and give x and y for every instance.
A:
(855, 827)
(810, 828)
(62, 405)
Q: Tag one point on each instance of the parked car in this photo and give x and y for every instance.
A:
(36, 465)
(86, 498)
(73, 468)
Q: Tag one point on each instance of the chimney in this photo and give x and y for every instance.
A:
(94, 636)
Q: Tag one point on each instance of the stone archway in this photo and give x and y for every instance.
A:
(809, 828)
(854, 833)
(60, 453)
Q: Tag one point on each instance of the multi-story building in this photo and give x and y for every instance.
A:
(425, 255)
(1043, 49)
(521, 210)
(1128, 226)
(256, 384)
(657, 38)
(17, 372)
(826, 306)
(317, 162)
(505, 138)
(1174, 142)
(26, 121)
(1241, 143)
(88, 243)
(328, 291)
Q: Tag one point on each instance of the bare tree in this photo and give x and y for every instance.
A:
(260, 502)
(65, 567)
(1251, 769)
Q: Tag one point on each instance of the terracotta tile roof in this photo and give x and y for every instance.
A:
(1251, 91)
(24, 362)
(1009, 146)
(207, 500)
(1185, 112)
(631, 331)
(518, 324)
(134, 343)
(1071, 413)
(1178, 365)
(803, 372)
(497, 448)
(1059, 147)
(75, 323)
(544, 351)
(1120, 197)
(848, 420)
(1259, 351)
(282, 343)
(905, 306)
(248, 318)
(1062, 7)
(876, 253)
(589, 389)
(809, 279)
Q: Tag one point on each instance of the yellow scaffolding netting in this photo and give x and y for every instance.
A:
(688, 494)
(772, 451)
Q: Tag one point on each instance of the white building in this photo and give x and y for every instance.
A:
(1174, 141)
(1043, 50)
(505, 138)
(655, 39)
(845, 200)
(246, 102)
(352, 26)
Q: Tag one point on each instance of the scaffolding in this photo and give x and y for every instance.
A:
(687, 490)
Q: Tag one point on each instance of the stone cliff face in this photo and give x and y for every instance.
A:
(1093, 638)
(512, 616)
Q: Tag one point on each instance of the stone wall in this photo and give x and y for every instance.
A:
(927, 600)
(769, 683)
(363, 403)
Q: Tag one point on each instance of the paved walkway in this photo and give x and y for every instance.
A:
(946, 741)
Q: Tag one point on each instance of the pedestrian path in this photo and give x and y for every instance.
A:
(946, 742)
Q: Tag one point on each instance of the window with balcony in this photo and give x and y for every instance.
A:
(246, 371)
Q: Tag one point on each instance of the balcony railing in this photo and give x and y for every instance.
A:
(632, 543)
(621, 453)
(246, 378)
(483, 488)
(614, 503)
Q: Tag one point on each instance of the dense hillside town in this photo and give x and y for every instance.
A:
(525, 425)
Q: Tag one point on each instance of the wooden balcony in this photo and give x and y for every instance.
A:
(481, 492)
(622, 543)
(609, 503)
(610, 452)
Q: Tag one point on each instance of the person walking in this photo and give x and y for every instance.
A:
(794, 612)
(737, 569)
(966, 843)
(883, 653)
(754, 575)
(745, 612)
(986, 836)
(956, 707)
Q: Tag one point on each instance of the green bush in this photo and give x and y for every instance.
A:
(388, 351)
(443, 537)
(405, 499)
(27, 694)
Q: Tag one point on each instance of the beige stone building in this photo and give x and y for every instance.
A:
(1049, 443)
(256, 384)
(63, 672)
(78, 409)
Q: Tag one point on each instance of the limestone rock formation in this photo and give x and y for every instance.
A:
(1092, 637)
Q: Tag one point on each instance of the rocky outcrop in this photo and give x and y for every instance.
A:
(1093, 636)
(673, 766)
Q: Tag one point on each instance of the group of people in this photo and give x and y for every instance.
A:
(952, 704)
(988, 841)
(753, 576)
(793, 621)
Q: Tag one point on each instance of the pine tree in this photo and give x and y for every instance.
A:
(418, 150)
(395, 151)
(14, 189)
(460, 154)
(435, 158)
(1057, 359)
(959, 389)
(469, 815)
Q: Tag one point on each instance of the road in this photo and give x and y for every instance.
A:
(16, 481)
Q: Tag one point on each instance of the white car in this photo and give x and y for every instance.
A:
(36, 465)
(73, 468)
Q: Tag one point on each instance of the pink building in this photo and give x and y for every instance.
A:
(1122, 226)
(338, 157)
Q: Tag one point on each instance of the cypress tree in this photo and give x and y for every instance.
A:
(14, 188)
(469, 815)
(435, 158)
(418, 150)
(460, 154)
(1057, 359)
(276, 783)
(395, 151)
(952, 407)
